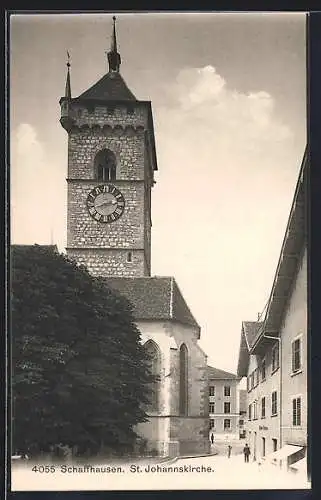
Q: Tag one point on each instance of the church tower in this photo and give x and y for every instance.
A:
(111, 164)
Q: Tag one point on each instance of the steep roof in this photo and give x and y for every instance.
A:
(292, 251)
(216, 373)
(154, 298)
(251, 329)
(249, 332)
(111, 87)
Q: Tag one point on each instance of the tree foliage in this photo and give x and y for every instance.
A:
(80, 374)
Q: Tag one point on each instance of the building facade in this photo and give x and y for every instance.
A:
(224, 410)
(273, 353)
(243, 413)
(111, 165)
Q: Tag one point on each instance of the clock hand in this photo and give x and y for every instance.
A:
(106, 203)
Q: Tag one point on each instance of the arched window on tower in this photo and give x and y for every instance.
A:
(183, 380)
(105, 165)
(154, 356)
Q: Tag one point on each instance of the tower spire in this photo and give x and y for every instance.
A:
(113, 56)
(68, 87)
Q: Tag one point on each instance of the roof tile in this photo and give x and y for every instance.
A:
(251, 329)
(154, 298)
(220, 374)
(111, 87)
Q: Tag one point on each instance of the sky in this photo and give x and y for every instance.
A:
(228, 94)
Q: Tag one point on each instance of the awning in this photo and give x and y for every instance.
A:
(300, 465)
(284, 452)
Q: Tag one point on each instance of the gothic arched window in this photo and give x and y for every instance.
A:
(183, 380)
(153, 352)
(105, 165)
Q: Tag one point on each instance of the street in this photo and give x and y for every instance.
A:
(234, 473)
(212, 473)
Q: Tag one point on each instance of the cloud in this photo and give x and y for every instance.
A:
(227, 170)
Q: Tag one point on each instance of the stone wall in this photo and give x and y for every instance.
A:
(127, 144)
(178, 434)
(110, 262)
(124, 133)
(100, 114)
(125, 232)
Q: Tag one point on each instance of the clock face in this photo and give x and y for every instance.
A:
(105, 203)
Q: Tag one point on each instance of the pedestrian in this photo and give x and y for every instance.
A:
(212, 438)
(246, 452)
(229, 449)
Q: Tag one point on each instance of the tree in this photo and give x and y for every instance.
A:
(80, 373)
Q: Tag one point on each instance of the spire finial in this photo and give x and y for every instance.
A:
(113, 56)
(68, 87)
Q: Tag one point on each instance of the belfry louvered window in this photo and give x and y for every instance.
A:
(105, 166)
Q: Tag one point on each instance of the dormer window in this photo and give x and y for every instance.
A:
(105, 166)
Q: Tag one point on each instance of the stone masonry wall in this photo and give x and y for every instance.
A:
(125, 232)
(122, 132)
(104, 115)
(127, 144)
(178, 434)
(105, 262)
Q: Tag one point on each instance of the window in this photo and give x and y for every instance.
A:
(252, 380)
(212, 390)
(296, 355)
(227, 407)
(263, 370)
(241, 422)
(250, 412)
(263, 408)
(212, 423)
(256, 377)
(254, 410)
(227, 390)
(154, 360)
(263, 447)
(212, 408)
(274, 403)
(227, 424)
(275, 357)
(183, 380)
(248, 383)
(110, 110)
(129, 257)
(296, 411)
(274, 444)
(105, 165)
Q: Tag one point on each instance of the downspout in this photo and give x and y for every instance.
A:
(280, 366)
